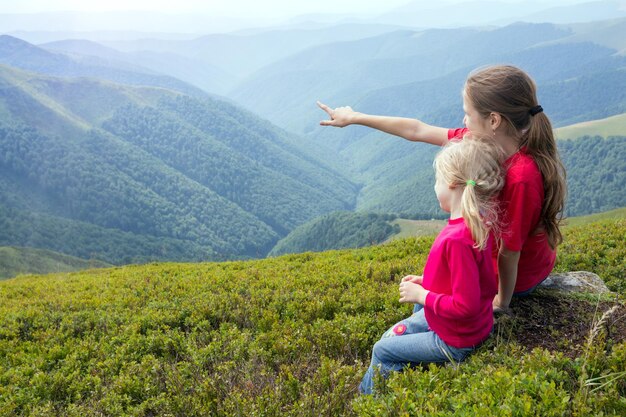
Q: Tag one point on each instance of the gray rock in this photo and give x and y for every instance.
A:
(577, 281)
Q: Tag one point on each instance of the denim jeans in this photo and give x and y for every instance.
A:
(527, 292)
(407, 343)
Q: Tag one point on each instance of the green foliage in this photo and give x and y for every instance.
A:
(337, 230)
(84, 240)
(599, 247)
(282, 336)
(533, 384)
(14, 261)
(238, 159)
(596, 173)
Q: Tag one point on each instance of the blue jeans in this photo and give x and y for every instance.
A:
(407, 343)
(527, 292)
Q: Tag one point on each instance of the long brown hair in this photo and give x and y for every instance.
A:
(476, 166)
(510, 92)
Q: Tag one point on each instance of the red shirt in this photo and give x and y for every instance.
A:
(462, 284)
(521, 201)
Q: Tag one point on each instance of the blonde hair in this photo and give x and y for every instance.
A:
(510, 92)
(475, 165)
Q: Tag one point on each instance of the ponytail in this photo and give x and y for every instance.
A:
(541, 145)
(479, 209)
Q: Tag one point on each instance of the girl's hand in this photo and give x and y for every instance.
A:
(412, 293)
(339, 117)
(499, 306)
(417, 279)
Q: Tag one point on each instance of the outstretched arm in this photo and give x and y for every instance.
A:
(410, 129)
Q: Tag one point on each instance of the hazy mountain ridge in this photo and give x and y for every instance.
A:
(354, 70)
(240, 54)
(202, 75)
(20, 54)
(481, 12)
(417, 13)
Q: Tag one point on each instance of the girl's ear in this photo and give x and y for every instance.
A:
(495, 119)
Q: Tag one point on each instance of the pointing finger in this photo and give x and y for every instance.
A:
(325, 108)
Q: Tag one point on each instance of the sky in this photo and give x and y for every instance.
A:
(193, 17)
(231, 8)
(235, 8)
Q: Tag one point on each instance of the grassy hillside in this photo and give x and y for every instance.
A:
(14, 261)
(415, 228)
(610, 126)
(292, 336)
(608, 33)
(619, 213)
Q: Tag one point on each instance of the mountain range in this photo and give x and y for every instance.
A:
(129, 155)
(134, 162)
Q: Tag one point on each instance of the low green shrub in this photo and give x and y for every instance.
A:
(287, 336)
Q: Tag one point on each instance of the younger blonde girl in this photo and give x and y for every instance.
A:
(453, 313)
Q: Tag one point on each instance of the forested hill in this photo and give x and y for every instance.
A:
(101, 170)
(337, 231)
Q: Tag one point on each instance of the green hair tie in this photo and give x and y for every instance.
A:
(471, 182)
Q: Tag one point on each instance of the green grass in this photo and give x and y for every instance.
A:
(611, 126)
(15, 261)
(415, 228)
(289, 336)
(619, 213)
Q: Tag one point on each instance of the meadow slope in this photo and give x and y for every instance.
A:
(292, 336)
